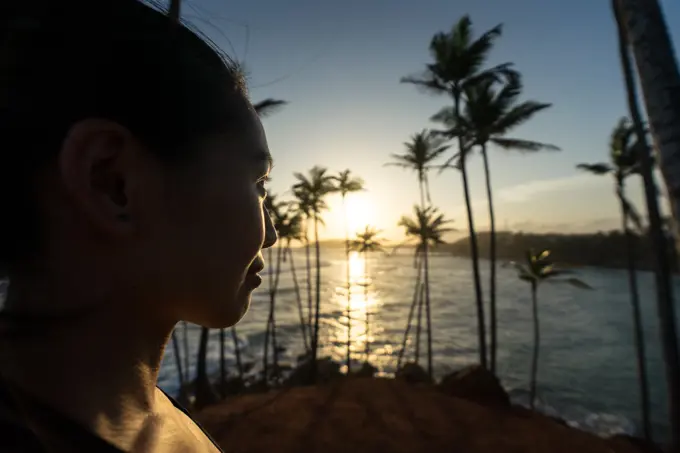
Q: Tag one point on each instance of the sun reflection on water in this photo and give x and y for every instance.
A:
(363, 304)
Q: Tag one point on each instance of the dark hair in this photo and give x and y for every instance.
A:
(65, 60)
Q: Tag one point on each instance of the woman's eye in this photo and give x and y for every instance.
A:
(261, 186)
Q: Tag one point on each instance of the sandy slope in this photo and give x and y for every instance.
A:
(385, 416)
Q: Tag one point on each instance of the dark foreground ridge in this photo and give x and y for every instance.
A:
(360, 415)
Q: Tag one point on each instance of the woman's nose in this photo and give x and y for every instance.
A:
(270, 236)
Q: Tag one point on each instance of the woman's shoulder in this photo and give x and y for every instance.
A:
(28, 426)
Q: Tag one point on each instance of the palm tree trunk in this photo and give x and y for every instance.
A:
(426, 266)
(267, 331)
(474, 250)
(368, 311)
(303, 323)
(492, 261)
(637, 321)
(412, 310)
(205, 394)
(349, 291)
(665, 302)
(187, 356)
(174, 11)
(310, 311)
(419, 321)
(237, 353)
(223, 370)
(537, 341)
(421, 186)
(317, 311)
(275, 344)
(178, 360)
(659, 79)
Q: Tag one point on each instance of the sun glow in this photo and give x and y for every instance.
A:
(360, 212)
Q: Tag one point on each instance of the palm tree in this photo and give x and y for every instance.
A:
(364, 242)
(313, 189)
(624, 162)
(648, 37)
(537, 270)
(640, 25)
(345, 184)
(458, 64)
(421, 152)
(289, 229)
(428, 227)
(489, 114)
(303, 207)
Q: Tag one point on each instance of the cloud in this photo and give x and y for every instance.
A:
(527, 191)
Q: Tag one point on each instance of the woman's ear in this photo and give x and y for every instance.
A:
(96, 168)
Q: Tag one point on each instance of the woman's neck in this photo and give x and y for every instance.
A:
(99, 368)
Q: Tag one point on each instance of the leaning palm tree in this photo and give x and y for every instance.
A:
(316, 186)
(537, 270)
(457, 64)
(428, 228)
(623, 163)
(365, 242)
(421, 153)
(640, 25)
(345, 184)
(488, 116)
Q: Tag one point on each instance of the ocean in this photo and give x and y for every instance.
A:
(587, 369)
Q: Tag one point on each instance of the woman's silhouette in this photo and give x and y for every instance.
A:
(132, 171)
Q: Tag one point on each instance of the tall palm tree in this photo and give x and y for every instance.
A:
(304, 208)
(457, 64)
(640, 25)
(487, 117)
(365, 242)
(290, 229)
(536, 270)
(315, 187)
(428, 227)
(657, 68)
(623, 163)
(346, 184)
(421, 152)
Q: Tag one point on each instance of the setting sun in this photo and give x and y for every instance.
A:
(360, 212)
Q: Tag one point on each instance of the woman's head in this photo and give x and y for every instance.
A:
(132, 161)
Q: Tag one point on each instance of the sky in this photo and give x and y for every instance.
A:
(338, 64)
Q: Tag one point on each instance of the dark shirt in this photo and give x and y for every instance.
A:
(30, 426)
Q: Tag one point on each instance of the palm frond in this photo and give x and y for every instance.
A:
(523, 145)
(598, 169)
(268, 106)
